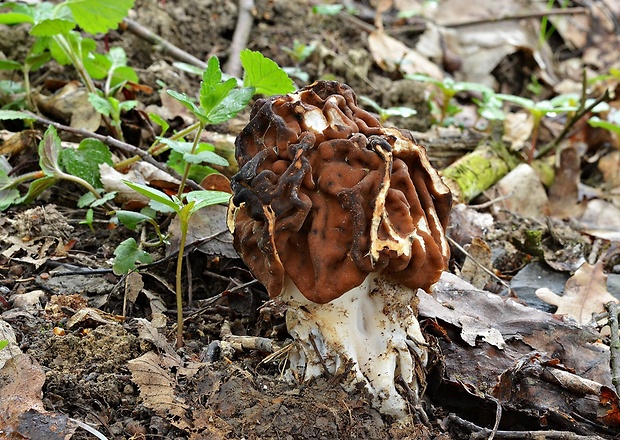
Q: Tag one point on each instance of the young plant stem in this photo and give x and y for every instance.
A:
(530, 156)
(23, 178)
(179, 285)
(76, 60)
(187, 164)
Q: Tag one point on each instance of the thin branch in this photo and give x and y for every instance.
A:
(614, 345)
(123, 146)
(480, 265)
(520, 16)
(479, 432)
(152, 37)
(240, 38)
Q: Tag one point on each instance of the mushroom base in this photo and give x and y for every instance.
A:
(370, 335)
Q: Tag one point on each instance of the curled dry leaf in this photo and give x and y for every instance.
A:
(585, 294)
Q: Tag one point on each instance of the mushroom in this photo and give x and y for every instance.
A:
(343, 220)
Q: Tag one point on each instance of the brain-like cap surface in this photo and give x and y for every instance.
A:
(326, 195)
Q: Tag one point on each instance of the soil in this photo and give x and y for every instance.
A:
(223, 392)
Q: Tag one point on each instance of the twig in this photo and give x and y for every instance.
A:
(614, 345)
(123, 146)
(152, 37)
(240, 38)
(581, 111)
(520, 16)
(479, 432)
(480, 265)
(240, 343)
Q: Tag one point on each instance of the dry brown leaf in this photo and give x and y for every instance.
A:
(71, 104)
(585, 294)
(22, 415)
(390, 54)
(563, 194)
(157, 389)
(479, 254)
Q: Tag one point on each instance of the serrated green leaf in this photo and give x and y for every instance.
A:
(51, 27)
(10, 65)
(97, 65)
(202, 199)
(104, 199)
(99, 16)
(37, 187)
(49, 152)
(101, 104)
(154, 194)
(131, 219)
(264, 74)
(205, 157)
(8, 115)
(196, 172)
(232, 104)
(187, 103)
(84, 161)
(126, 255)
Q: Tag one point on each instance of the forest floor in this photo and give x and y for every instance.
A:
(101, 351)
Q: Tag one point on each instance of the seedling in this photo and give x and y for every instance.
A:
(386, 113)
(538, 110)
(449, 88)
(53, 26)
(184, 206)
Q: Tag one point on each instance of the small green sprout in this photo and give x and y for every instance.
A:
(386, 113)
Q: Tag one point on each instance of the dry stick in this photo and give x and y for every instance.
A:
(480, 432)
(521, 16)
(240, 38)
(167, 46)
(109, 140)
(614, 345)
(479, 264)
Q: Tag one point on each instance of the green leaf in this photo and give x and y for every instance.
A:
(84, 161)
(36, 60)
(202, 199)
(97, 65)
(232, 104)
(154, 194)
(125, 106)
(523, 102)
(37, 187)
(264, 75)
(187, 103)
(206, 157)
(595, 121)
(3, 343)
(10, 65)
(189, 68)
(155, 118)
(131, 219)
(20, 13)
(101, 104)
(99, 16)
(9, 195)
(327, 9)
(7, 115)
(123, 74)
(77, 43)
(126, 255)
(196, 172)
(104, 199)
(49, 152)
(51, 27)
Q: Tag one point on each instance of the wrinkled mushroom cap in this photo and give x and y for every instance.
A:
(326, 195)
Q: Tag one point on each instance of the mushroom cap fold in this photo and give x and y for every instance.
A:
(326, 195)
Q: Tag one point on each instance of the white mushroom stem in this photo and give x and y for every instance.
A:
(370, 334)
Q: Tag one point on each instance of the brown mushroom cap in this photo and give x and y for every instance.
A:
(326, 195)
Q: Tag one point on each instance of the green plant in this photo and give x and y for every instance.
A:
(53, 26)
(386, 113)
(3, 343)
(219, 100)
(449, 88)
(538, 110)
(184, 206)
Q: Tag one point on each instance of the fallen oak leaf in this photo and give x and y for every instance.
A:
(585, 294)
